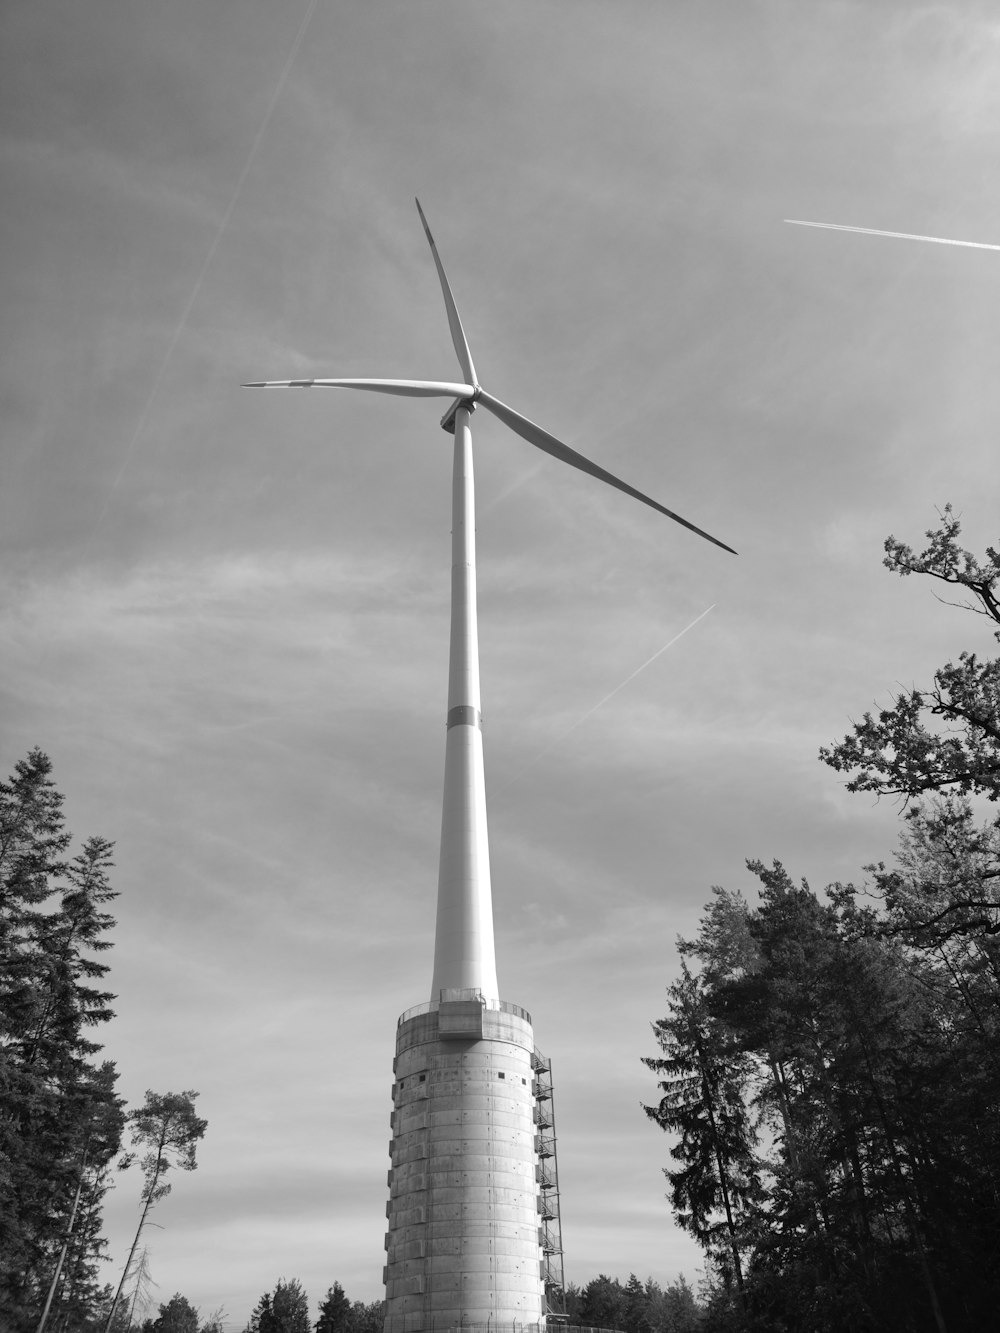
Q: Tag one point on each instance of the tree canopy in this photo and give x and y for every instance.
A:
(829, 1063)
(178, 1315)
(944, 738)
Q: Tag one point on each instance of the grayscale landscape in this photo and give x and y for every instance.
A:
(224, 612)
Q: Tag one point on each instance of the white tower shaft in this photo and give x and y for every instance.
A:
(464, 953)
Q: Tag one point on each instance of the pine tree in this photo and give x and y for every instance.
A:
(674, 1309)
(706, 1101)
(602, 1303)
(335, 1312)
(166, 1125)
(178, 1315)
(635, 1316)
(262, 1318)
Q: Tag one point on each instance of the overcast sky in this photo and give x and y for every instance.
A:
(223, 612)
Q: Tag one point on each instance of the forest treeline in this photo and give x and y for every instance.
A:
(283, 1310)
(632, 1307)
(830, 1062)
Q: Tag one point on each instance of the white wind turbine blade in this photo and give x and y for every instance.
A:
(541, 439)
(458, 337)
(404, 388)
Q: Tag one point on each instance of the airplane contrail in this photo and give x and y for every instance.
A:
(199, 281)
(601, 702)
(648, 662)
(896, 235)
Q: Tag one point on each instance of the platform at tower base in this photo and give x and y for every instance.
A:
(515, 1327)
(464, 1248)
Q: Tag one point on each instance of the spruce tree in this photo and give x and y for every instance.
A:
(706, 1101)
(62, 1120)
(334, 1312)
(178, 1315)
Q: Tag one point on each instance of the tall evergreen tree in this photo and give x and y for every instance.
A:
(262, 1318)
(62, 1117)
(706, 1101)
(602, 1303)
(635, 1318)
(673, 1309)
(334, 1312)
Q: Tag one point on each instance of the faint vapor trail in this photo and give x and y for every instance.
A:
(186, 315)
(510, 488)
(601, 702)
(896, 235)
(648, 662)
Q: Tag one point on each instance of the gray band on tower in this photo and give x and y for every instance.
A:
(465, 716)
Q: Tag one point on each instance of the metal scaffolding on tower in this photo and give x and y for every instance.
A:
(547, 1175)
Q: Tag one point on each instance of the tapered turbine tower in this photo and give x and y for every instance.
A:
(466, 1244)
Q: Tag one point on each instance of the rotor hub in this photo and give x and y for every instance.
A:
(448, 420)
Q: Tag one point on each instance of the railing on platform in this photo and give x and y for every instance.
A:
(448, 996)
(418, 1324)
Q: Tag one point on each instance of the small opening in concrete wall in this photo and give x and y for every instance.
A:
(524, 1080)
(423, 1078)
(501, 1075)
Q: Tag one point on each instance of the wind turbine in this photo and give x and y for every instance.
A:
(464, 957)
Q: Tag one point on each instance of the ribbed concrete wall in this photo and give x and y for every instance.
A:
(462, 1245)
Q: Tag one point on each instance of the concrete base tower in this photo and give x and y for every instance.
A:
(463, 1235)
